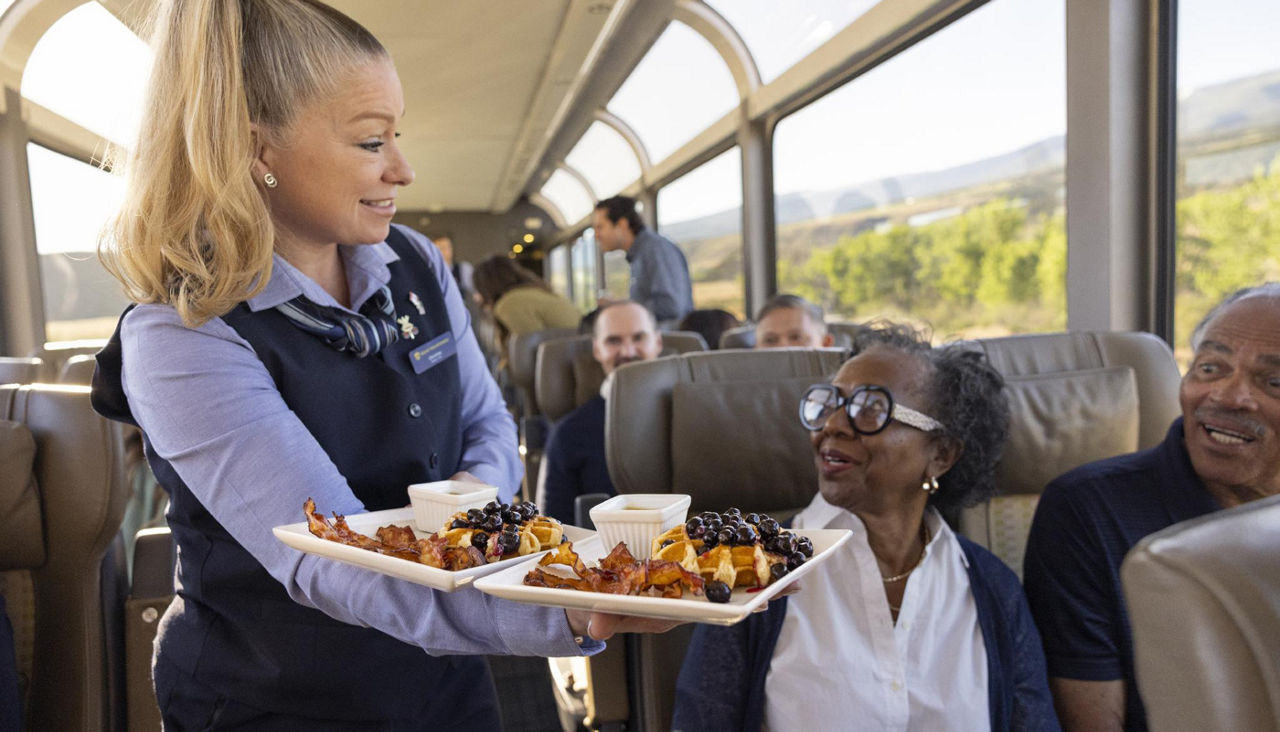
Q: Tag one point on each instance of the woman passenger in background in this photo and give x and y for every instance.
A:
(909, 626)
(288, 343)
(520, 300)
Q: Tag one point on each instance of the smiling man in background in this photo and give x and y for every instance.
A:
(1223, 451)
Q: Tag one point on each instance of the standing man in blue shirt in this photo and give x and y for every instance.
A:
(1223, 451)
(659, 273)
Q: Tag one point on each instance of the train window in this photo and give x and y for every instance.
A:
(1228, 150)
(91, 69)
(568, 195)
(677, 90)
(584, 270)
(71, 202)
(780, 34)
(932, 187)
(604, 159)
(702, 213)
(558, 270)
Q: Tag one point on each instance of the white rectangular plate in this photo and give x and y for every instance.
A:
(298, 537)
(509, 585)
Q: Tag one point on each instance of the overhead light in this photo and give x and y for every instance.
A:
(528, 238)
(533, 222)
(518, 248)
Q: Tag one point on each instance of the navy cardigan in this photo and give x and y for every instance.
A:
(722, 683)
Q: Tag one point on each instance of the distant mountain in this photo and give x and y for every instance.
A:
(1231, 107)
(1221, 110)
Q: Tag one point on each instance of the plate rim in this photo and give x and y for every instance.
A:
(712, 613)
(297, 536)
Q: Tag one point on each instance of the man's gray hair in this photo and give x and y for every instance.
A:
(1266, 289)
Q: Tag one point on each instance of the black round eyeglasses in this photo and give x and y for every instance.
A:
(870, 408)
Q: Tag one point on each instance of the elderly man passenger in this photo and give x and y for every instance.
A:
(1223, 451)
(909, 626)
(790, 320)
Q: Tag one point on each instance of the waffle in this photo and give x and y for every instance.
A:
(744, 565)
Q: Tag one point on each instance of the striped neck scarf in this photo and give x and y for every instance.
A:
(363, 334)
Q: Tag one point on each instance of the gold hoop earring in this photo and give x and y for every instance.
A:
(930, 486)
(270, 180)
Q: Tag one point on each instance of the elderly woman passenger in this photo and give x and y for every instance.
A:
(909, 626)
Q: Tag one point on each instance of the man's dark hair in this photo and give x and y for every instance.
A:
(793, 302)
(1266, 289)
(617, 208)
(710, 324)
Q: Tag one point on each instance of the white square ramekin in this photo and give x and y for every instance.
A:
(434, 503)
(635, 518)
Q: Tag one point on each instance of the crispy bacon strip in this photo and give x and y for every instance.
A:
(619, 573)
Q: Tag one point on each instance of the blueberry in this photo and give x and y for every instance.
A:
(475, 514)
(769, 527)
(714, 525)
(804, 545)
(795, 559)
(733, 512)
(778, 571)
(492, 522)
(692, 525)
(726, 536)
(459, 524)
(491, 507)
(480, 540)
(753, 518)
(667, 543)
(717, 591)
(746, 534)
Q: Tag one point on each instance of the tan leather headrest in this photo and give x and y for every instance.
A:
(14, 370)
(568, 375)
(1063, 420)
(763, 457)
(22, 540)
(522, 356)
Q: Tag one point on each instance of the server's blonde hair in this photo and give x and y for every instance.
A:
(195, 230)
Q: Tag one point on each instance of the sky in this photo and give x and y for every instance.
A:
(992, 82)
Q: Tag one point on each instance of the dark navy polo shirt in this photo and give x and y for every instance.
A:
(1085, 523)
(575, 460)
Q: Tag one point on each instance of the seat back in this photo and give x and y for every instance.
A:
(78, 369)
(63, 493)
(721, 427)
(21, 370)
(744, 336)
(55, 355)
(522, 362)
(1204, 604)
(568, 375)
(1075, 398)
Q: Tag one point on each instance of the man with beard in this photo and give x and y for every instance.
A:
(574, 462)
(1223, 451)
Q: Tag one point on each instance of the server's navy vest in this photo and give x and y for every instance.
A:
(232, 626)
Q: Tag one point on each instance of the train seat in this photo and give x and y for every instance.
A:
(55, 355)
(78, 369)
(1075, 398)
(522, 353)
(21, 370)
(721, 427)
(1204, 604)
(63, 493)
(743, 336)
(567, 375)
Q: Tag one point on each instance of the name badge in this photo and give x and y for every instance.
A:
(432, 352)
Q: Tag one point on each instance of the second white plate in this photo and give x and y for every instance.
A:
(509, 585)
(298, 537)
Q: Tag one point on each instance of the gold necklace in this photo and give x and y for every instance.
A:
(904, 575)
